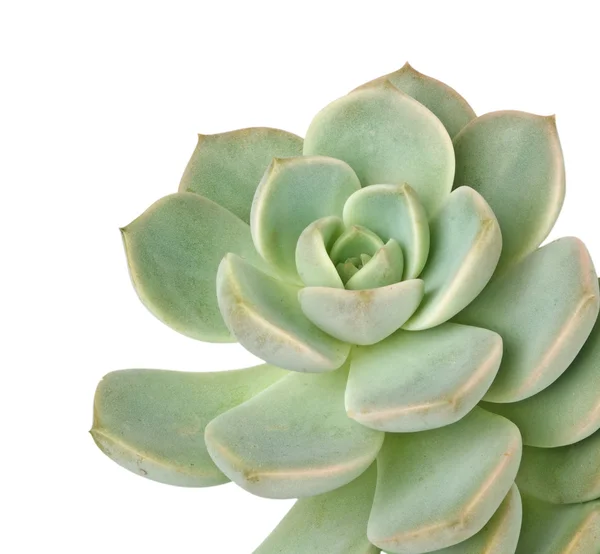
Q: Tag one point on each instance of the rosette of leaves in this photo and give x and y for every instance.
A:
(426, 359)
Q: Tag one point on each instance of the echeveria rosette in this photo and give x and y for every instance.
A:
(420, 346)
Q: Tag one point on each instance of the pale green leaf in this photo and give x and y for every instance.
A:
(384, 268)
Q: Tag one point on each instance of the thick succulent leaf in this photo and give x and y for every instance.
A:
(387, 137)
(515, 161)
(554, 529)
(293, 193)
(152, 422)
(312, 253)
(418, 381)
(465, 249)
(361, 316)
(346, 271)
(294, 439)
(383, 269)
(569, 409)
(544, 309)
(438, 488)
(353, 242)
(335, 522)
(500, 535)
(227, 167)
(449, 106)
(393, 212)
(173, 251)
(562, 475)
(264, 315)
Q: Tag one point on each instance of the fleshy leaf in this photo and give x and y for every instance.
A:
(569, 409)
(438, 488)
(335, 522)
(465, 249)
(353, 242)
(173, 252)
(393, 212)
(544, 309)
(387, 137)
(152, 422)
(449, 106)
(554, 529)
(312, 253)
(346, 271)
(563, 475)
(515, 161)
(227, 167)
(500, 535)
(361, 316)
(383, 269)
(418, 381)
(264, 315)
(294, 439)
(293, 193)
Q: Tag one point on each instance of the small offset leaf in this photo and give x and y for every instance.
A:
(465, 249)
(569, 409)
(361, 316)
(562, 475)
(173, 252)
(264, 315)
(393, 212)
(294, 440)
(312, 253)
(383, 269)
(354, 242)
(449, 106)
(387, 137)
(566, 529)
(335, 522)
(227, 167)
(418, 381)
(152, 422)
(438, 488)
(514, 160)
(544, 309)
(293, 193)
(501, 533)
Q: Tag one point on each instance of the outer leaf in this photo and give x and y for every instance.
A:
(569, 409)
(438, 488)
(562, 475)
(152, 422)
(515, 161)
(293, 440)
(312, 253)
(419, 381)
(293, 193)
(361, 316)
(551, 529)
(386, 137)
(173, 251)
(264, 315)
(227, 167)
(501, 533)
(544, 309)
(465, 249)
(335, 522)
(383, 269)
(449, 106)
(393, 212)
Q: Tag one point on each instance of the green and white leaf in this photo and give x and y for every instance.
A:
(354, 242)
(386, 137)
(294, 440)
(417, 381)
(382, 269)
(264, 314)
(152, 422)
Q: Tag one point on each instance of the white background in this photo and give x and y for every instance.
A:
(100, 103)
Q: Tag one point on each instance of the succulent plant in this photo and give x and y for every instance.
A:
(432, 374)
